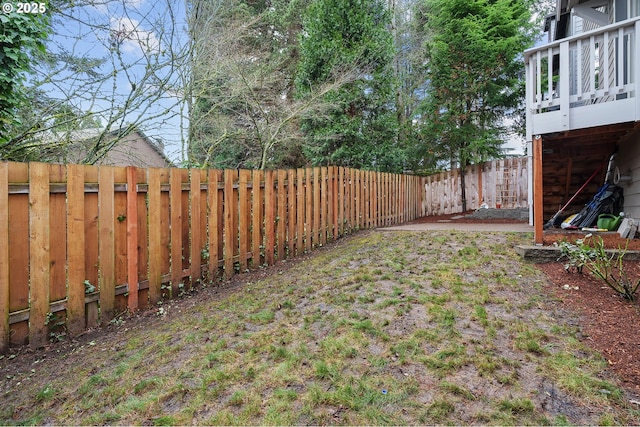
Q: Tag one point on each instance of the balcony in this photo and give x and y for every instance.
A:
(584, 81)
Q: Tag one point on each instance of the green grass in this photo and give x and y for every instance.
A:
(384, 328)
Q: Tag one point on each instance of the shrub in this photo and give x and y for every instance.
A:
(608, 267)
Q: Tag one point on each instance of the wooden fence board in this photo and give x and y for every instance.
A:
(120, 236)
(257, 205)
(308, 222)
(281, 220)
(19, 253)
(132, 238)
(323, 205)
(106, 242)
(230, 202)
(196, 226)
(186, 231)
(291, 207)
(204, 228)
(4, 257)
(215, 223)
(76, 247)
(39, 249)
(58, 238)
(300, 209)
(244, 213)
(175, 194)
(154, 197)
(269, 217)
(91, 259)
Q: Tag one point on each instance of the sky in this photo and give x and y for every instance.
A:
(135, 42)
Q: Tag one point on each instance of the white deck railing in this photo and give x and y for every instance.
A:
(584, 81)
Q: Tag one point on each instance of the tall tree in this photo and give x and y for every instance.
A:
(244, 113)
(474, 55)
(361, 128)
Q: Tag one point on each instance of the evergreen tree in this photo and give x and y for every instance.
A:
(475, 73)
(350, 37)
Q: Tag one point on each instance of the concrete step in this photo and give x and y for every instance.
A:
(543, 254)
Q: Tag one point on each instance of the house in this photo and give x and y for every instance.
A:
(133, 149)
(583, 105)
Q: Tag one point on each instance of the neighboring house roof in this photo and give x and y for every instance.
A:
(133, 149)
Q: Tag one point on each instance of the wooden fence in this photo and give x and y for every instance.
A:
(83, 243)
(498, 183)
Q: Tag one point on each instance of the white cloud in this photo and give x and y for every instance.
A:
(132, 38)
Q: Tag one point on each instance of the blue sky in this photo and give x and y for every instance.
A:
(135, 41)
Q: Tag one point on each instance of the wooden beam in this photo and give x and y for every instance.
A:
(537, 190)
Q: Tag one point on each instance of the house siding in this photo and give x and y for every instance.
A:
(628, 161)
(133, 150)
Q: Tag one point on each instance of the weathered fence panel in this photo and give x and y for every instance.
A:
(498, 183)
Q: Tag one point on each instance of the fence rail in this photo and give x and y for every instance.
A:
(81, 244)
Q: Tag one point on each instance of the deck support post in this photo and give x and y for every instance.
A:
(537, 190)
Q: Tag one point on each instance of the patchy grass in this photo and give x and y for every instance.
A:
(380, 328)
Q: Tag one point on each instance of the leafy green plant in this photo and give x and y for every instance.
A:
(57, 327)
(608, 267)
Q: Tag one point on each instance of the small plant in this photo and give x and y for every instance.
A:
(57, 327)
(577, 255)
(607, 267)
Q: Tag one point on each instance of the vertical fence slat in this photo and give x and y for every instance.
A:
(300, 211)
(76, 249)
(269, 218)
(316, 207)
(243, 208)
(19, 253)
(215, 225)
(281, 220)
(92, 256)
(4, 256)
(58, 239)
(132, 238)
(308, 221)
(106, 243)
(186, 230)
(323, 205)
(230, 203)
(155, 238)
(256, 218)
(175, 196)
(196, 228)
(292, 207)
(38, 253)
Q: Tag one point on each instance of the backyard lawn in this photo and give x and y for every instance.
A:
(378, 328)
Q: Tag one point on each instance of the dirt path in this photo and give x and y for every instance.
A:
(442, 327)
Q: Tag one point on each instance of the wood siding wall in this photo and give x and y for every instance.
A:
(87, 243)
